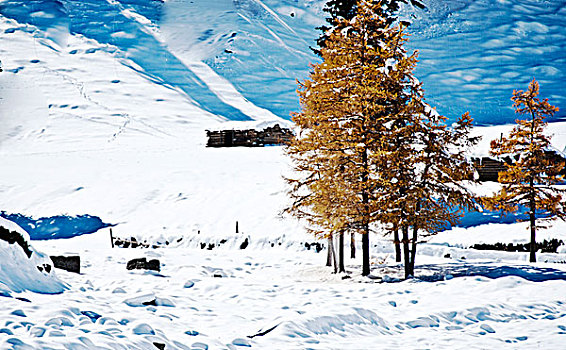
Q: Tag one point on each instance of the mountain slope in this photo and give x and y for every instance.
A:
(473, 53)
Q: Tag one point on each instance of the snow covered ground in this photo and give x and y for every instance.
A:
(104, 107)
(224, 298)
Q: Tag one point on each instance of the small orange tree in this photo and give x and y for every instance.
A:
(531, 180)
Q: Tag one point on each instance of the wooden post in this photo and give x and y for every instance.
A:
(111, 238)
(237, 231)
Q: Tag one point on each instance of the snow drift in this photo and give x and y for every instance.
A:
(22, 267)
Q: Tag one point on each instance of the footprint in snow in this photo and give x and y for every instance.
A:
(118, 290)
(241, 342)
(189, 284)
(199, 346)
(59, 322)
(18, 312)
(143, 329)
(37, 332)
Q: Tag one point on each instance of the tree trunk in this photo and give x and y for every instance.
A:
(397, 245)
(329, 251)
(365, 252)
(406, 252)
(533, 257)
(352, 246)
(414, 249)
(366, 217)
(341, 252)
(532, 204)
(334, 255)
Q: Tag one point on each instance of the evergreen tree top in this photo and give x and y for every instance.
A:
(347, 9)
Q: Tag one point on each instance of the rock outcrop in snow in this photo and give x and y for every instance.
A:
(21, 266)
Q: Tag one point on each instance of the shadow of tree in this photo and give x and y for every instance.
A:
(439, 272)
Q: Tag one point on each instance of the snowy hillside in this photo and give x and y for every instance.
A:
(103, 110)
(259, 48)
(104, 105)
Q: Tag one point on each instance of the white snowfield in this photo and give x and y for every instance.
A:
(86, 129)
(285, 299)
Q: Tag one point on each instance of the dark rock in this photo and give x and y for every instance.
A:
(202, 245)
(211, 246)
(217, 275)
(126, 244)
(153, 264)
(447, 256)
(160, 346)
(244, 244)
(47, 267)
(150, 303)
(14, 237)
(143, 264)
(223, 241)
(346, 277)
(23, 299)
(136, 264)
(272, 245)
(67, 263)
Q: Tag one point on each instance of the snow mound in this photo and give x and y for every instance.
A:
(22, 267)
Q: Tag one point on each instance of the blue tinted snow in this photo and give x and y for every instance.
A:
(60, 226)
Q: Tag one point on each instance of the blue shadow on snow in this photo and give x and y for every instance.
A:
(529, 273)
(59, 226)
(475, 218)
